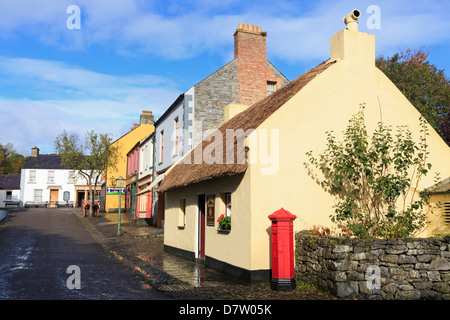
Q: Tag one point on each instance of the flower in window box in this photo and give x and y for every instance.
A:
(224, 222)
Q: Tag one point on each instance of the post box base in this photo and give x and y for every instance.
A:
(282, 284)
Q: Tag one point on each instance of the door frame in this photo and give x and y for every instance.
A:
(54, 191)
(201, 225)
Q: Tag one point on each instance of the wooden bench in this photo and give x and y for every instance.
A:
(36, 204)
(12, 203)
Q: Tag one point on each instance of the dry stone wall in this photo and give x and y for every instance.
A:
(402, 269)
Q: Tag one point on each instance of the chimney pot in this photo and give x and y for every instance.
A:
(250, 42)
(147, 118)
(351, 20)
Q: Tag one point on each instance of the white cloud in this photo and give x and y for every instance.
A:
(297, 30)
(66, 96)
(70, 98)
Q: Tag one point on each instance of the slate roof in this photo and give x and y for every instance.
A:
(10, 182)
(183, 174)
(43, 161)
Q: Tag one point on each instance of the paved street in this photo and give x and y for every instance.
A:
(38, 248)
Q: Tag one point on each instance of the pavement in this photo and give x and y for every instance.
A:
(141, 247)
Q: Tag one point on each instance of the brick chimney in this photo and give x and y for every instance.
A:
(35, 151)
(250, 42)
(147, 117)
(253, 71)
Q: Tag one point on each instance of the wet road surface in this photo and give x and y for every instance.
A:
(48, 254)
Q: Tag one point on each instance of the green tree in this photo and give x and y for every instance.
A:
(10, 160)
(426, 87)
(375, 180)
(88, 160)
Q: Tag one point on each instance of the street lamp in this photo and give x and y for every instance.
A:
(120, 184)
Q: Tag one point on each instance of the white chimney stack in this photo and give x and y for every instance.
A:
(351, 45)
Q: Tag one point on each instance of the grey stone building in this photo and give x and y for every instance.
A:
(245, 80)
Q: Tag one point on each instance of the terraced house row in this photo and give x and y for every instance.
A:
(235, 145)
(44, 182)
(152, 147)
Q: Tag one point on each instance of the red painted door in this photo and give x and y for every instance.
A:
(201, 215)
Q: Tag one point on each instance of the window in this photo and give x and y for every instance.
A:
(161, 141)
(8, 195)
(175, 130)
(96, 195)
(51, 177)
(145, 157)
(227, 198)
(37, 194)
(32, 177)
(271, 87)
(182, 214)
(71, 179)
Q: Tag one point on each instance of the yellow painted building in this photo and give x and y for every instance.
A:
(278, 131)
(439, 209)
(125, 143)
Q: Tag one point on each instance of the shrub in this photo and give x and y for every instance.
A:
(375, 180)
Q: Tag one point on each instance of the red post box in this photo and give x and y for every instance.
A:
(283, 273)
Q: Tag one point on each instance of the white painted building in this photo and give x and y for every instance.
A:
(9, 190)
(44, 182)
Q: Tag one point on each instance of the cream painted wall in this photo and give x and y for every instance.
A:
(234, 247)
(437, 226)
(325, 104)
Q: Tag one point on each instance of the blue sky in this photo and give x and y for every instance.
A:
(134, 55)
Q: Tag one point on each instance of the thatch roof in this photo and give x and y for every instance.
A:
(189, 171)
